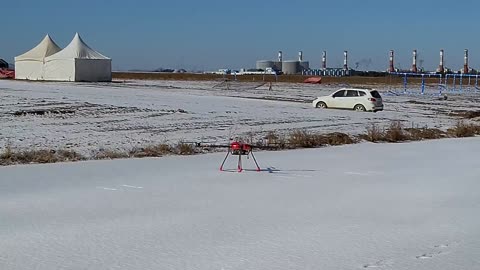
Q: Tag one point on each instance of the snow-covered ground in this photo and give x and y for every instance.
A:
(123, 115)
(364, 206)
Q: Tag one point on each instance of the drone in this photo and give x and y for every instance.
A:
(239, 148)
(243, 148)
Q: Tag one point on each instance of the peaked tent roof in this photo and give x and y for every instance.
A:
(44, 49)
(77, 49)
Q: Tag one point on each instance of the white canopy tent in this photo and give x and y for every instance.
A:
(78, 62)
(31, 65)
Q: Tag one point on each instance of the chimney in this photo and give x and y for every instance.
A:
(414, 64)
(324, 60)
(280, 56)
(300, 56)
(441, 68)
(465, 63)
(345, 60)
(391, 67)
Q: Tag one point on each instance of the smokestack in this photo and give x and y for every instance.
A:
(391, 67)
(300, 56)
(280, 56)
(414, 65)
(324, 60)
(345, 60)
(441, 68)
(465, 63)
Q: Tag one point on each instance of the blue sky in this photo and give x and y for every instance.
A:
(196, 34)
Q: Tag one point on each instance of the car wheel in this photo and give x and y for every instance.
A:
(359, 107)
(322, 105)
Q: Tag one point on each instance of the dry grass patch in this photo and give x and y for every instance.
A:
(304, 139)
(395, 133)
(70, 155)
(110, 154)
(151, 151)
(466, 114)
(462, 129)
(9, 156)
(36, 156)
(275, 141)
(374, 134)
(185, 149)
(418, 134)
(338, 138)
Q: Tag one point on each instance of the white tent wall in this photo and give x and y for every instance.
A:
(79, 70)
(29, 70)
(60, 70)
(93, 70)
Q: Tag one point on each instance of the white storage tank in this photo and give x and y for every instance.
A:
(290, 67)
(264, 64)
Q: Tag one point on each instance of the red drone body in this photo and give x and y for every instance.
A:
(240, 149)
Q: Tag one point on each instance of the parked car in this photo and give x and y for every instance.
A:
(351, 98)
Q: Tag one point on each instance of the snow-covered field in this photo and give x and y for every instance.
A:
(123, 115)
(364, 206)
(380, 206)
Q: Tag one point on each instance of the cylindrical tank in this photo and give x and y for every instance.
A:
(277, 65)
(304, 65)
(264, 64)
(290, 67)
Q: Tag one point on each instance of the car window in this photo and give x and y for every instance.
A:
(362, 93)
(352, 93)
(375, 94)
(340, 93)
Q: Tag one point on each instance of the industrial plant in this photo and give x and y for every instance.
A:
(286, 67)
(300, 66)
(441, 67)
